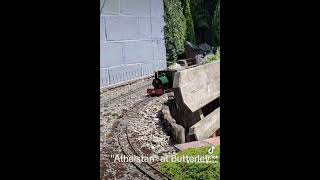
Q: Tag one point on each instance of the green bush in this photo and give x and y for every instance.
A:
(175, 29)
(183, 170)
(213, 57)
(216, 25)
(190, 35)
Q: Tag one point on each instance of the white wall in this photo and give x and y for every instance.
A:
(131, 40)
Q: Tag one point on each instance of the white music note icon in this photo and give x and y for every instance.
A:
(211, 150)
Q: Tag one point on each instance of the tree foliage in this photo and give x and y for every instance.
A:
(190, 34)
(202, 13)
(175, 29)
(197, 21)
(216, 25)
(213, 57)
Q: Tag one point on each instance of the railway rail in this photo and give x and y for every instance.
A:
(127, 145)
(119, 97)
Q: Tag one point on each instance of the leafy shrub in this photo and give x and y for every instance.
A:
(175, 29)
(183, 170)
(213, 57)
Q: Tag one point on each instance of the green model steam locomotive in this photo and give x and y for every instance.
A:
(162, 82)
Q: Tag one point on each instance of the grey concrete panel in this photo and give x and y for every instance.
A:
(102, 30)
(144, 28)
(124, 73)
(134, 71)
(159, 49)
(104, 78)
(110, 7)
(156, 8)
(112, 28)
(126, 32)
(131, 51)
(138, 51)
(147, 69)
(130, 28)
(160, 65)
(122, 28)
(116, 75)
(157, 26)
(111, 54)
(135, 7)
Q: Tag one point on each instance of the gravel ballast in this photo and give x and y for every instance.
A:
(145, 131)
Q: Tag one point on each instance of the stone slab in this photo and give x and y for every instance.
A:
(196, 144)
(214, 141)
(198, 86)
(206, 126)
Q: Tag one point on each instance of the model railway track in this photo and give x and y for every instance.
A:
(126, 94)
(128, 148)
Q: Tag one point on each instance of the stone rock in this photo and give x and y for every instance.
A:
(175, 66)
(156, 140)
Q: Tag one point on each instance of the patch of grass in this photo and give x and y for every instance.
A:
(213, 57)
(192, 170)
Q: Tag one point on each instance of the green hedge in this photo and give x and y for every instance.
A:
(175, 29)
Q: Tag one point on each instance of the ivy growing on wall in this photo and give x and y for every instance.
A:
(175, 29)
